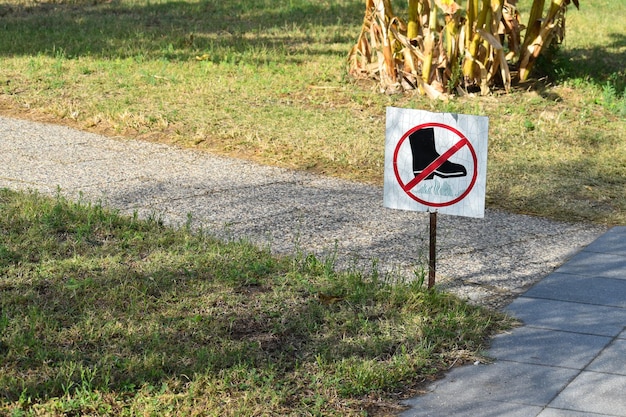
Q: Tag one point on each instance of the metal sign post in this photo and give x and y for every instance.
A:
(435, 162)
(432, 263)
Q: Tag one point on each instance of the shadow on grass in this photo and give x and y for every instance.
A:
(92, 301)
(176, 30)
(121, 330)
(584, 192)
(601, 65)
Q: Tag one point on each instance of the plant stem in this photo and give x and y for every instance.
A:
(413, 25)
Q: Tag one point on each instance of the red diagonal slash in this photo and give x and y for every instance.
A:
(435, 164)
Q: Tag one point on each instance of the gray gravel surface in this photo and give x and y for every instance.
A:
(488, 261)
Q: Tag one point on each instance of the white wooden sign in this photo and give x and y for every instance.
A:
(435, 162)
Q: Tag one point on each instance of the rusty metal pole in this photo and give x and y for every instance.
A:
(432, 263)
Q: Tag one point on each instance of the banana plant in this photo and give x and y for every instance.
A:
(543, 33)
(442, 48)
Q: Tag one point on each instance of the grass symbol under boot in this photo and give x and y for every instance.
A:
(424, 153)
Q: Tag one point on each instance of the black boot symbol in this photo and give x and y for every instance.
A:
(424, 153)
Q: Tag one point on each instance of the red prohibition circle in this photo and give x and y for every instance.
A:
(465, 142)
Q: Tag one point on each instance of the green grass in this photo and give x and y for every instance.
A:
(108, 315)
(267, 81)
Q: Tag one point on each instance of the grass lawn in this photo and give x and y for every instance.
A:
(105, 315)
(266, 81)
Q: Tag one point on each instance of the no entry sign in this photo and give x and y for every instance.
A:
(435, 162)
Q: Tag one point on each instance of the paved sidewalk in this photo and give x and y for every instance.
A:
(571, 353)
(569, 358)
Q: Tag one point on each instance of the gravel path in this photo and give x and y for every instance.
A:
(488, 261)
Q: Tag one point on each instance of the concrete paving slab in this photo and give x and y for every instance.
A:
(555, 412)
(596, 264)
(593, 392)
(548, 347)
(581, 289)
(612, 360)
(450, 407)
(611, 242)
(569, 317)
(502, 381)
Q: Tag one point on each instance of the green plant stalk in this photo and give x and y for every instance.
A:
(534, 24)
(555, 6)
(429, 42)
(452, 38)
(542, 40)
(495, 21)
(472, 13)
(496, 13)
(413, 24)
(469, 65)
(485, 43)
